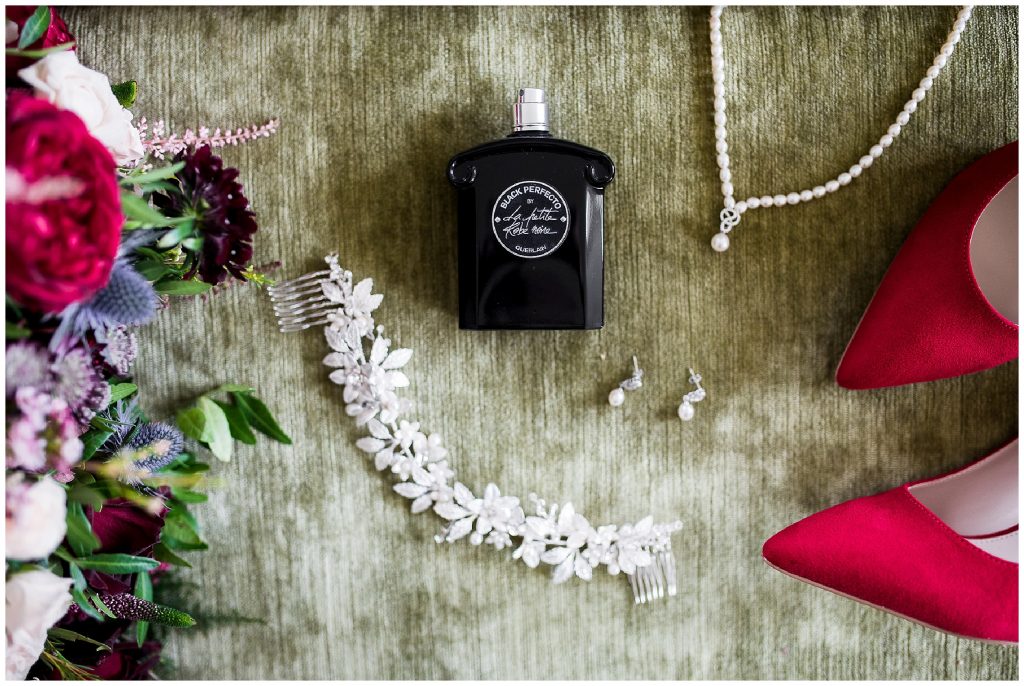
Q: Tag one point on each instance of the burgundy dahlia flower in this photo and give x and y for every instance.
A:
(210, 192)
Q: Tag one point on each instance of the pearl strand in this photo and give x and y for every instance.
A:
(732, 210)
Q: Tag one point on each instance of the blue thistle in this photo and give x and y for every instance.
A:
(128, 299)
(162, 440)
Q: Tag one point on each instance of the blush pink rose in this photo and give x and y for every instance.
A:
(63, 207)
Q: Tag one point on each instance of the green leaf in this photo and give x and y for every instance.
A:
(38, 54)
(137, 209)
(117, 563)
(144, 590)
(69, 635)
(125, 93)
(92, 442)
(239, 426)
(259, 417)
(83, 602)
(176, 235)
(193, 244)
(121, 391)
(80, 493)
(77, 576)
(35, 27)
(157, 174)
(103, 423)
(180, 530)
(150, 253)
(233, 388)
(63, 554)
(15, 331)
(189, 496)
(165, 554)
(100, 605)
(216, 431)
(152, 270)
(144, 587)
(155, 186)
(191, 422)
(178, 287)
(80, 536)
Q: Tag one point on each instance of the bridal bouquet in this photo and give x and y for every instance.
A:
(107, 223)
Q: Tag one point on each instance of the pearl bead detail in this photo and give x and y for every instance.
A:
(686, 411)
(616, 397)
(720, 242)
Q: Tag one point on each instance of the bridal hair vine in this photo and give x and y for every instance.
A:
(370, 372)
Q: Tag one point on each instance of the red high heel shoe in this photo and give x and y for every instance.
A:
(947, 306)
(941, 552)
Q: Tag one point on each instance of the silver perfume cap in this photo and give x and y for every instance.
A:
(530, 111)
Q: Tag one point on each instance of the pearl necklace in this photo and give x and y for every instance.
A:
(732, 210)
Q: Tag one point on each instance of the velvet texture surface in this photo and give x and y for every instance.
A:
(309, 540)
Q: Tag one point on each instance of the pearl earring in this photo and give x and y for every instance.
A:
(618, 395)
(686, 411)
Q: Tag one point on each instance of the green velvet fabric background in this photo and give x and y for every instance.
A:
(309, 539)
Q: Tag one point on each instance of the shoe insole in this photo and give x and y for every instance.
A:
(1003, 546)
(994, 251)
(979, 501)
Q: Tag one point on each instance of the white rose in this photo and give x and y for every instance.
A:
(36, 520)
(61, 79)
(35, 601)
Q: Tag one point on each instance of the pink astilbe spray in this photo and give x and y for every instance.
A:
(158, 142)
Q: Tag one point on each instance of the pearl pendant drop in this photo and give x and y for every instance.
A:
(733, 209)
(616, 397)
(686, 411)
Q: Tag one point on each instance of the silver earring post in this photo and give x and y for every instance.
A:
(618, 395)
(686, 410)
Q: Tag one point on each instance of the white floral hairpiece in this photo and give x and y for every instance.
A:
(371, 375)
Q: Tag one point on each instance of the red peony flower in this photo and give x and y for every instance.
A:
(63, 207)
(123, 527)
(56, 34)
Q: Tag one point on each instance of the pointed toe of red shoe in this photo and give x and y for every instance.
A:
(825, 548)
(891, 552)
(929, 318)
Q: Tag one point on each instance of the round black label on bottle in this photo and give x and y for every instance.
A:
(530, 219)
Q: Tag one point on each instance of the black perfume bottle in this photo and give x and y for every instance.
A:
(531, 227)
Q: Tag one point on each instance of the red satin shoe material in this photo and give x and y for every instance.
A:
(892, 552)
(929, 319)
